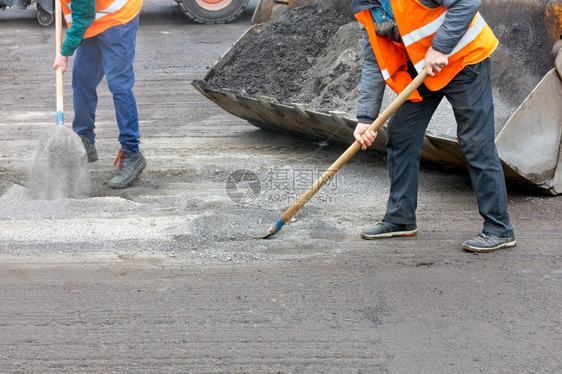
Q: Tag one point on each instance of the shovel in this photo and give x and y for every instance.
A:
(60, 163)
(383, 117)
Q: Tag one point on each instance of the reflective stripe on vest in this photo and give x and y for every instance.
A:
(470, 35)
(108, 13)
(417, 25)
(114, 7)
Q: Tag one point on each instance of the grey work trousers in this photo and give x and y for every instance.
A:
(470, 95)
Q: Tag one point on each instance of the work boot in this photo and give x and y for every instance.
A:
(90, 148)
(388, 230)
(488, 243)
(130, 165)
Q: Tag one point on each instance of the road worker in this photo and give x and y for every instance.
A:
(103, 34)
(453, 43)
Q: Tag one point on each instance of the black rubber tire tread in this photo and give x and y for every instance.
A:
(200, 15)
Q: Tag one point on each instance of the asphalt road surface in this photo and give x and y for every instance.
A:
(167, 276)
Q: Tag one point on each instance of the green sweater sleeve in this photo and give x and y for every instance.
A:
(83, 14)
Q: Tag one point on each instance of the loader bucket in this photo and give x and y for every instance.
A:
(530, 142)
(299, 72)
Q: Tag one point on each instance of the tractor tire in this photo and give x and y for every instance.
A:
(212, 11)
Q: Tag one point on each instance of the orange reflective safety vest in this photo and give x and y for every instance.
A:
(417, 25)
(108, 13)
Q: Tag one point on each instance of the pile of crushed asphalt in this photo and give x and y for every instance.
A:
(276, 60)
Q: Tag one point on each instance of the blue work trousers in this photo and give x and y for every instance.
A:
(110, 53)
(470, 95)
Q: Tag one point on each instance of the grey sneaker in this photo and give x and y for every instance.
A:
(388, 230)
(130, 165)
(488, 243)
(90, 148)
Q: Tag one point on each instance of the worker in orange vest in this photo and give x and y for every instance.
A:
(453, 43)
(103, 34)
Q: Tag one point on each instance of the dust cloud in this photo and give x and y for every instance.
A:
(60, 166)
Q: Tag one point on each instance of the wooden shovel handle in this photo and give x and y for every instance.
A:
(382, 118)
(59, 72)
